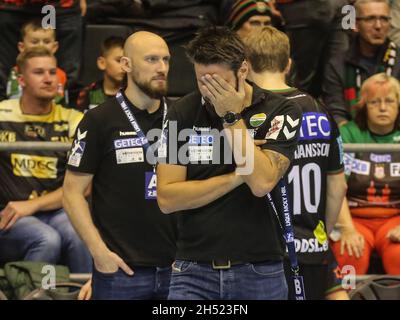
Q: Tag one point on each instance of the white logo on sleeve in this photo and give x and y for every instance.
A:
(77, 149)
(276, 127)
(292, 123)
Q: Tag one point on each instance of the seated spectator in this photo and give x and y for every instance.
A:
(249, 15)
(316, 34)
(369, 219)
(113, 75)
(395, 22)
(68, 26)
(33, 225)
(32, 36)
(371, 52)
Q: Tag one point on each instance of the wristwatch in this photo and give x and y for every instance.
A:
(231, 118)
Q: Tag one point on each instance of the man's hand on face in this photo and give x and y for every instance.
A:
(14, 211)
(222, 95)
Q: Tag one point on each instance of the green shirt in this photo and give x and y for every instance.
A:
(351, 133)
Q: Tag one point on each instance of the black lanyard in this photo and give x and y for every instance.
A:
(288, 235)
(135, 124)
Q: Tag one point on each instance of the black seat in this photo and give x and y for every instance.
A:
(95, 34)
(385, 287)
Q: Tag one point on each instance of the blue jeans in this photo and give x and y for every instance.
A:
(46, 237)
(147, 283)
(258, 281)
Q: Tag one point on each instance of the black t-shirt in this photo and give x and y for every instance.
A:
(239, 225)
(318, 153)
(107, 146)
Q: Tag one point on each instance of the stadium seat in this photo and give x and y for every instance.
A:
(377, 288)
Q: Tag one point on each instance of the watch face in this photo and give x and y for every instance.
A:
(230, 117)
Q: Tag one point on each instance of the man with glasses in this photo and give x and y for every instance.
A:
(371, 52)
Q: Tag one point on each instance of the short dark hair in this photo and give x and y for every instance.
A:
(217, 45)
(34, 24)
(111, 43)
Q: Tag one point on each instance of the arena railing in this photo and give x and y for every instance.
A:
(64, 146)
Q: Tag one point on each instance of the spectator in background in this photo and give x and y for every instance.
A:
(33, 225)
(32, 36)
(98, 92)
(370, 218)
(248, 15)
(316, 34)
(14, 13)
(395, 21)
(268, 54)
(371, 52)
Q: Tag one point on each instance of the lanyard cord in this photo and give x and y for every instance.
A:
(135, 124)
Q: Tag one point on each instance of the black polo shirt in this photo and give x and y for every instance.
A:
(238, 226)
(107, 146)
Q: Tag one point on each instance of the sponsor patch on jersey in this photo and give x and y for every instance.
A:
(129, 143)
(276, 127)
(77, 151)
(200, 153)
(34, 131)
(202, 129)
(34, 166)
(203, 139)
(319, 233)
(314, 126)
(258, 119)
(379, 158)
(127, 133)
(395, 169)
(7, 136)
(129, 155)
(61, 127)
(360, 167)
(310, 246)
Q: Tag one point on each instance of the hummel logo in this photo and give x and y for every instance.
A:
(127, 133)
(290, 134)
(80, 135)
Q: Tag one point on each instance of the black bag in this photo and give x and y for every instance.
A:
(385, 287)
(63, 291)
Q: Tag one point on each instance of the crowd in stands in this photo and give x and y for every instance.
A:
(353, 73)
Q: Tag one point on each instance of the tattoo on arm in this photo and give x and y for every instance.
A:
(280, 161)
